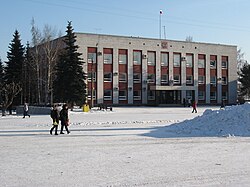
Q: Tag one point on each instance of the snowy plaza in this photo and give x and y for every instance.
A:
(129, 146)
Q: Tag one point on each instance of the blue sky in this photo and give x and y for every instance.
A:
(210, 21)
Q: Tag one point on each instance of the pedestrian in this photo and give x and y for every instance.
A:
(194, 105)
(26, 110)
(64, 117)
(54, 114)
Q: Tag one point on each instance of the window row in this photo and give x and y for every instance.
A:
(151, 59)
(213, 95)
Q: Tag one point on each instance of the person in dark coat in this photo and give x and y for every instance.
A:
(54, 114)
(194, 105)
(64, 117)
(222, 104)
(25, 110)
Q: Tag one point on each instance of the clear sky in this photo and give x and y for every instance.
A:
(210, 21)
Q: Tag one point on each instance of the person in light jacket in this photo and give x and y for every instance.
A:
(26, 110)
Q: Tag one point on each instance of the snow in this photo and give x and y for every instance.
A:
(130, 146)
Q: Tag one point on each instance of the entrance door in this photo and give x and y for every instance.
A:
(170, 97)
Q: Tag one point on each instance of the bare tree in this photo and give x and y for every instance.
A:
(51, 50)
(8, 93)
(189, 39)
(240, 60)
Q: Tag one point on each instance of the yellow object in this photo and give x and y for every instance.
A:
(55, 123)
(85, 108)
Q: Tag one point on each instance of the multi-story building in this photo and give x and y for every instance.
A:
(143, 71)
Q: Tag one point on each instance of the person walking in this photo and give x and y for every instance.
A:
(194, 105)
(222, 104)
(26, 110)
(54, 114)
(64, 117)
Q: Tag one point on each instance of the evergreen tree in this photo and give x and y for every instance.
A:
(69, 84)
(244, 78)
(13, 70)
(1, 72)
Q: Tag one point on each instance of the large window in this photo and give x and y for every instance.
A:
(107, 95)
(122, 95)
(137, 57)
(164, 79)
(189, 79)
(151, 58)
(224, 80)
(189, 60)
(224, 95)
(137, 94)
(212, 95)
(164, 59)
(151, 78)
(91, 57)
(201, 79)
(151, 95)
(107, 58)
(213, 80)
(107, 77)
(213, 61)
(122, 59)
(90, 74)
(122, 77)
(201, 61)
(189, 94)
(177, 79)
(224, 64)
(137, 78)
(201, 95)
(177, 60)
(90, 92)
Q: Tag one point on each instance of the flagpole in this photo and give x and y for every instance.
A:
(160, 24)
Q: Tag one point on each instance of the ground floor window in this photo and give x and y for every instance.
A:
(137, 94)
(107, 95)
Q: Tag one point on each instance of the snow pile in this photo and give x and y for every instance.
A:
(231, 121)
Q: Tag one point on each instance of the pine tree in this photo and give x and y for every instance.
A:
(1, 72)
(13, 70)
(69, 85)
(244, 78)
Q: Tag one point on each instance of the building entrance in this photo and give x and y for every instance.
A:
(169, 97)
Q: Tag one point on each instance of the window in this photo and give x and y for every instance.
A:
(213, 64)
(164, 79)
(213, 80)
(177, 60)
(177, 79)
(92, 58)
(224, 80)
(164, 59)
(224, 64)
(122, 59)
(107, 59)
(151, 78)
(201, 63)
(122, 95)
(189, 79)
(107, 77)
(201, 79)
(107, 95)
(90, 92)
(189, 61)
(189, 94)
(137, 94)
(151, 95)
(137, 78)
(151, 58)
(137, 57)
(201, 95)
(90, 74)
(212, 95)
(122, 77)
(224, 96)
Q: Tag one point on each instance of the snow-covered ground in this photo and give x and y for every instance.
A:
(131, 146)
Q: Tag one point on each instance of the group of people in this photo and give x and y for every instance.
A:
(62, 116)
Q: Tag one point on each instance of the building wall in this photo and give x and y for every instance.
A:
(147, 47)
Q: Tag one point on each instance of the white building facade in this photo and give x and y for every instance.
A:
(143, 71)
